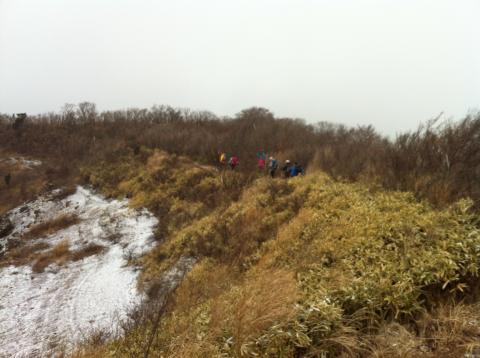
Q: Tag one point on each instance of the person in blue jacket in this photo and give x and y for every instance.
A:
(272, 166)
(296, 169)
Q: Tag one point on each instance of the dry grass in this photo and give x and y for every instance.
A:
(66, 190)
(31, 249)
(52, 226)
(205, 281)
(89, 250)
(215, 303)
(23, 254)
(25, 184)
(449, 331)
(58, 254)
(89, 352)
(93, 346)
(264, 299)
(451, 327)
(61, 254)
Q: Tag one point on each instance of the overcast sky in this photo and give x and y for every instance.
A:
(389, 63)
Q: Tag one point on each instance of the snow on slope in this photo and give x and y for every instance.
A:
(63, 304)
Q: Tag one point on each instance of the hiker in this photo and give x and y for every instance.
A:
(222, 158)
(233, 162)
(294, 170)
(272, 166)
(300, 169)
(7, 178)
(261, 156)
(286, 169)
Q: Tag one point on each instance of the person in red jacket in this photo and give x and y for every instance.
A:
(261, 160)
(233, 162)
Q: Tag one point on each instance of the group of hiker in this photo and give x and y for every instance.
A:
(289, 169)
(232, 161)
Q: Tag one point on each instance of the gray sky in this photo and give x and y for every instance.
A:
(389, 63)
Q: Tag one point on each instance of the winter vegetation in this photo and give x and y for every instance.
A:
(374, 252)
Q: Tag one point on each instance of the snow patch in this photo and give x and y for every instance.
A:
(64, 304)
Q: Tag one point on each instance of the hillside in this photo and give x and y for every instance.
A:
(374, 252)
(310, 266)
(239, 179)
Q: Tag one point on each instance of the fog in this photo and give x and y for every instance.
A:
(392, 64)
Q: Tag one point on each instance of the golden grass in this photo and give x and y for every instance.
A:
(228, 310)
(264, 299)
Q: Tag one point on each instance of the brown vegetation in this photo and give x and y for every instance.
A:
(50, 227)
(449, 331)
(24, 184)
(58, 254)
(89, 250)
(23, 254)
(438, 161)
(29, 248)
(20, 182)
(61, 254)
(263, 300)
